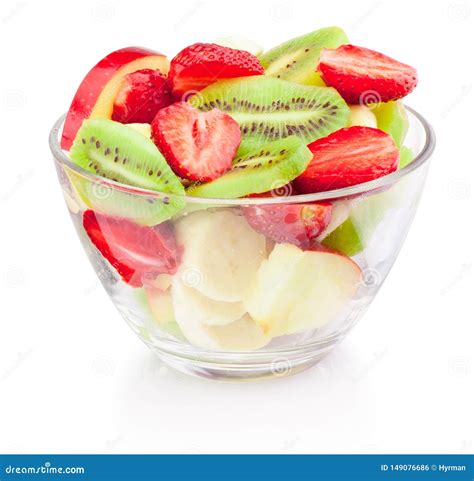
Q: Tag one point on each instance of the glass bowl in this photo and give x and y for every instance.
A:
(212, 295)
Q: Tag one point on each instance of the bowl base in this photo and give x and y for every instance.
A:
(244, 372)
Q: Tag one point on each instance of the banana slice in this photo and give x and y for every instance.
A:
(144, 129)
(240, 335)
(240, 43)
(190, 304)
(221, 253)
(298, 290)
(362, 115)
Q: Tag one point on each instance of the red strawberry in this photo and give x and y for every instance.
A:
(348, 157)
(199, 65)
(297, 224)
(197, 145)
(135, 251)
(141, 95)
(364, 76)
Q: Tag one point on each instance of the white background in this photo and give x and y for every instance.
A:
(73, 377)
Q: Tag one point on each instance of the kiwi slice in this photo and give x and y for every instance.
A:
(269, 109)
(392, 118)
(297, 59)
(117, 152)
(270, 167)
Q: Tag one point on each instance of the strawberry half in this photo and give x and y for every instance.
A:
(201, 64)
(364, 76)
(197, 145)
(135, 251)
(141, 95)
(297, 224)
(348, 157)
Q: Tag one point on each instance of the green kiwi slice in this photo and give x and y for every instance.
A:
(392, 119)
(116, 152)
(269, 109)
(269, 167)
(297, 59)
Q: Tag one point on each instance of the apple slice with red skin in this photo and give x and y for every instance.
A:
(97, 92)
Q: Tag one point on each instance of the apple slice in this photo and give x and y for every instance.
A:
(96, 95)
(298, 290)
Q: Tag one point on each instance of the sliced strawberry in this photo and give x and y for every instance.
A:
(197, 145)
(364, 76)
(348, 157)
(141, 95)
(135, 251)
(201, 64)
(297, 224)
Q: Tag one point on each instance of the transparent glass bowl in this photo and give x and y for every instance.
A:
(198, 320)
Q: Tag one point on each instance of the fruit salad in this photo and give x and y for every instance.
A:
(194, 181)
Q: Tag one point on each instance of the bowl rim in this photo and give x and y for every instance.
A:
(418, 161)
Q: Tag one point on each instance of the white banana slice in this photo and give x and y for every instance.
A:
(144, 129)
(299, 290)
(240, 43)
(160, 305)
(240, 335)
(192, 305)
(362, 115)
(221, 253)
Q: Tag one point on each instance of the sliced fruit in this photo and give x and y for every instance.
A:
(364, 76)
(298, 290)
(406, 156)
(119, 153)
(144, 129)
(238, 42)
(298, 224)
(96, 94)
(270, 109)
(366, 213)
(201, 64)
(339, 214)
(160, 304)
(134, 251)
(272, 166)
(241, 335)
(197, 145)
(141, 95)
(200, 309)
(392, 118)
(296, 60)
(363, 116)
(348, 157)
(221, 253)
